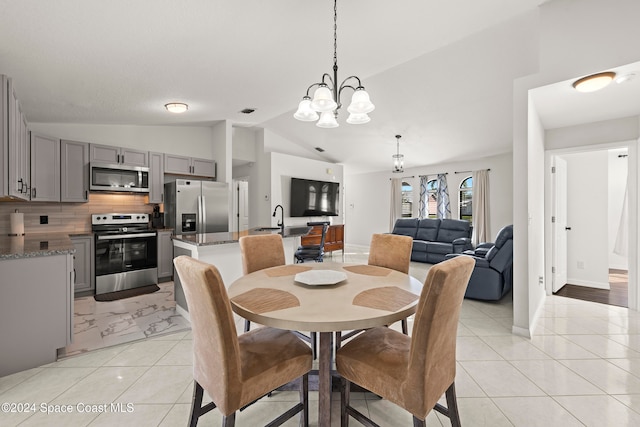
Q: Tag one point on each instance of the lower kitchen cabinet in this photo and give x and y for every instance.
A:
(36, 310)
(165, 254)
(83, 265)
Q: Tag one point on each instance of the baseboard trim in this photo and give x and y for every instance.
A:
(588, 284)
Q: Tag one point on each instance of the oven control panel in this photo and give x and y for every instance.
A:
(119, 218)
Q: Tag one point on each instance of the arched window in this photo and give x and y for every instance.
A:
(466, 196)
(407, 200)
(432, 198)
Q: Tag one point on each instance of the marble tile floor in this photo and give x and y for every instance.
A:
(102, 324)
(581, 368)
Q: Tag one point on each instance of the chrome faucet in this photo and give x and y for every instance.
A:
(281, 223)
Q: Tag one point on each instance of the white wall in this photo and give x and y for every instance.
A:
(617, 184)
(577, 38)
(194, 141)
(587, 215)
(244, 144)
(367, 195)
(535, 215)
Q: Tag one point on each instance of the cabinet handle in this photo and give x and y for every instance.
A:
(33, 193)
(117, 158)
(20, 186)
(86, 194)
(123, 158)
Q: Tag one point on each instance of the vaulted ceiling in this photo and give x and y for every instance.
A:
(440, 73)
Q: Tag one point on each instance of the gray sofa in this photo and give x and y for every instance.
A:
(492, 276)
(433, 239)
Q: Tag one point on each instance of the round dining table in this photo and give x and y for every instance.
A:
(325, 298)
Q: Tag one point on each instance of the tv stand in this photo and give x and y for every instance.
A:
(333, 241)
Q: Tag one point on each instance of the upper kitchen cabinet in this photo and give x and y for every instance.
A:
(16, 165)
(4, 136)
(181, 165)
(156, 177)
(74, 175)
(118, 155)
(45, 168)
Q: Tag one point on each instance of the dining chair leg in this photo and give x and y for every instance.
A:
(344, 402)
(304, 399)
(314, 344)
(247, 325)
(417, 422)
(229, 420)
(405, 328)
(196, 404)
(452, 406)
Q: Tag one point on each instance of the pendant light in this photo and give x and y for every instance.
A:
(326, 98)
(398, 159)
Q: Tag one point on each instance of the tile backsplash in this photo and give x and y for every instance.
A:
(70, 217)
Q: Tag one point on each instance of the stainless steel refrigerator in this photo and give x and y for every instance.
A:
(193, 206)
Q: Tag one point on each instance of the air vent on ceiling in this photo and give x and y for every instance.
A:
(247, 110)
(321, 150)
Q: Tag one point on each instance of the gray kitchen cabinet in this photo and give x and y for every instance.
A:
(74, 171)
(118, 155)
(156, 177)
(165, 254)
(17, 147)
(83, 262)
(4, 136)
(45, 168)
(36, 310)
(182, 165)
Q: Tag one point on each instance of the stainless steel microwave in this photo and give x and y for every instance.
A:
(114, 177)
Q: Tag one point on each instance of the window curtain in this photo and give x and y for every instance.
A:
(395, 202)
(480, 207)
(444, 205)
(422, 207)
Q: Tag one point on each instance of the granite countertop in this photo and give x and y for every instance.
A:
(206, 239)
(35, 245)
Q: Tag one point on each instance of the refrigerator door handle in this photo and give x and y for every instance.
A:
(204, 214)
(199, 218)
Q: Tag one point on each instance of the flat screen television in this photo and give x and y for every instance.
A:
(313, 198)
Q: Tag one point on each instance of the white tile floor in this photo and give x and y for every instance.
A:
(581, 368)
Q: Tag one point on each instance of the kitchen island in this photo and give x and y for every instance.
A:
(36, 299)
(223, 251)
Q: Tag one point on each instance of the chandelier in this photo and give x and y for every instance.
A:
(398, 159)
(326, 98)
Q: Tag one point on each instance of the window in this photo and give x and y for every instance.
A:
(407, 200)
(466, 194)
(432, 198)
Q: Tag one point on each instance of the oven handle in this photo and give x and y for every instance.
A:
(126, 236)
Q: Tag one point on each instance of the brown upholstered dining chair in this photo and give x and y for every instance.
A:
(391, 251)
(260, 252)
(236, 370)
(265, 251)
(412, 372)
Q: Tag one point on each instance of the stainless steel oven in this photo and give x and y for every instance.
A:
(126, 252)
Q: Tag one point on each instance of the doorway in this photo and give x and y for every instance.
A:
(590, 238)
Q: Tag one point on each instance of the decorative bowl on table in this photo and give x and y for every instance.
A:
(321, 277)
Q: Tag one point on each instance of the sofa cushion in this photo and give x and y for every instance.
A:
(406, 227)
(419, 246)
(428, 229)
(451, 229)
(439, 248)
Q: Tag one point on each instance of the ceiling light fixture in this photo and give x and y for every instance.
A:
(594, 82)
(176, 107)
(398, 159)
(326, 98)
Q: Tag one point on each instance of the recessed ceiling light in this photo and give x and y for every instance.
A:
(176, 107)
(594, 82)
